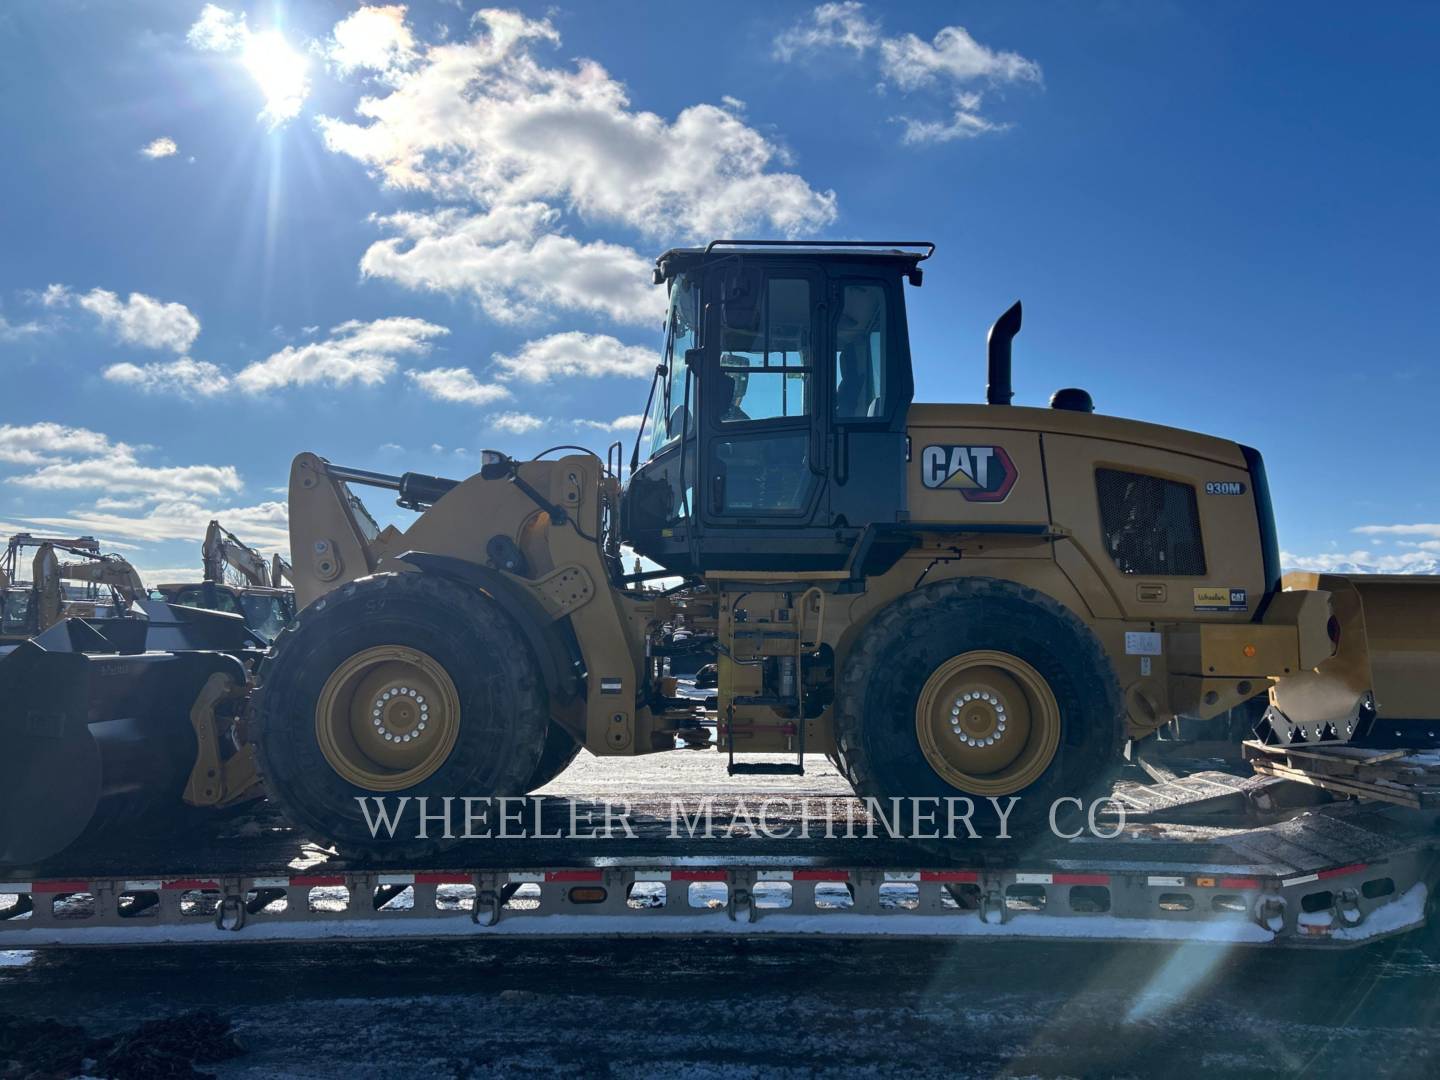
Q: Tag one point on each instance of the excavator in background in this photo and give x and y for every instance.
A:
(26, 609)
(257, 596)
(978, 602)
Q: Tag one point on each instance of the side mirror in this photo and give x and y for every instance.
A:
(694, 357)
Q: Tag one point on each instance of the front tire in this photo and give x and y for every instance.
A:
(979, 688)
(397, 685)
(561, 748)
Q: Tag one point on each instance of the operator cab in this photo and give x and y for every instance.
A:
(775, 431)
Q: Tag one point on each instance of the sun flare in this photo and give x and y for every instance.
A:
(279, 71)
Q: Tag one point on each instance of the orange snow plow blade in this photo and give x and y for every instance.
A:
(1381, 688)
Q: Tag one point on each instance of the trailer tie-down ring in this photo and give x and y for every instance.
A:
(487, 902)
(233, 906)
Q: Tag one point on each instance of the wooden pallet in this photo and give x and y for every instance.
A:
(1403, 777)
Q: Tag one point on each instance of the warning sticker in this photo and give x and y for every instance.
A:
(1141, 643)
(1209, 599)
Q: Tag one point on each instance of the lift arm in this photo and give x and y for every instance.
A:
(223, 548)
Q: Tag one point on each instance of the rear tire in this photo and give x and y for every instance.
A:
(485, 710)
(1064, 718)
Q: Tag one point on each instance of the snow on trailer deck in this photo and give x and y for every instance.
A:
(1338, 875)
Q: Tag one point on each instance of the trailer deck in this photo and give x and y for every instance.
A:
(1334, 875)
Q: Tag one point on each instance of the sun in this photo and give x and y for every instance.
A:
(279, 71)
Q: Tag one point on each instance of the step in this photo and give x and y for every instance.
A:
(765, 768)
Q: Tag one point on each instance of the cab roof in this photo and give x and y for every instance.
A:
(906, 254)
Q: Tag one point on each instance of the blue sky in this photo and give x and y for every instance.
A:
(395, 236)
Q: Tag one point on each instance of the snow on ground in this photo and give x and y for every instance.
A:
(691, 771)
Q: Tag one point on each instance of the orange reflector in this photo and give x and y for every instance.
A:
(1205, 882)
(587, 895)
(1249, 650)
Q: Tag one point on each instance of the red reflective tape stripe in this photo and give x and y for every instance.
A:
(1081, 879)
(1239, 883)
(822, 875)
(318, 879)
(574, 875)
(59, 886)
(442, 879)
(189, 883)
(949, 875)
(697, 875)
(1340, 871)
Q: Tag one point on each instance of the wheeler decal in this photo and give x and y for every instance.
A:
(978, 473)
(1211, 599)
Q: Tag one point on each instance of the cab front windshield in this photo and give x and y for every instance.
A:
(672, 407)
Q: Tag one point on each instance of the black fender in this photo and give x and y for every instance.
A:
(562, 665)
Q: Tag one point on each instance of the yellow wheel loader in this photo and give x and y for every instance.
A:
(973, 602)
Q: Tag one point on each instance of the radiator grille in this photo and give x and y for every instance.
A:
(1151, 525)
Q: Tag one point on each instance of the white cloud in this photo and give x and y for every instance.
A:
(516, 423)
(120, 471)
(56, 295)
(952, 55)
(355, 351)
(965, 123)
(1399, 530)
(515, 269)
(218, 30)
(457, 384)
(1363, 561)
(17, 331)
(159, 148)
(37, 444)
(1418, 545)
(575, 354)
(951, 62)
(138, 320)
(184, 377)
(523, 146)
(620, 423)
(262, 525)
(373, 39)
(132, 499)
(841, 25)
(486, 121)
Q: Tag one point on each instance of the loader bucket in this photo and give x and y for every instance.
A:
(1381, 688)
(95, 724)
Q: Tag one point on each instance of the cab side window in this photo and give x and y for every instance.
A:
(765, 358)
(860, 332)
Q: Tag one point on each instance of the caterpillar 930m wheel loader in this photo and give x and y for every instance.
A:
(951, 601)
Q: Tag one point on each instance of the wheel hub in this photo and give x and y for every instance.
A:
(987, 723)
(400, 713)
(387, 718)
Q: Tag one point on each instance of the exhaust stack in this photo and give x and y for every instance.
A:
(998, 390)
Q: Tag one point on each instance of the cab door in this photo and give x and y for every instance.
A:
(870, 388)
(763, 462)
